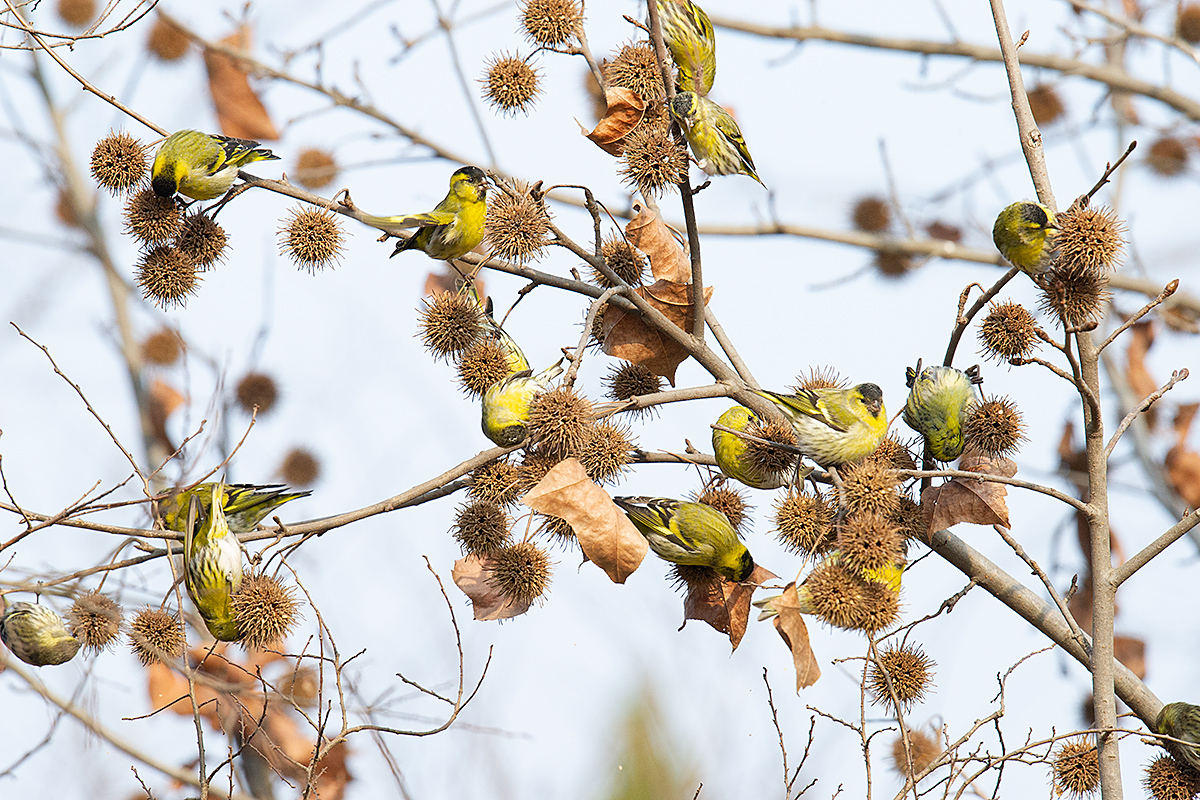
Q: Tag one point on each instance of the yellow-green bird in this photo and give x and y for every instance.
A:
(506, 403)
(244, 504)
(1024, 234)
(730, 451)
(714, 136)
(939, 400)
(37, 635)
(212, 566)
(202, 165)
(694, 534)
(689, 36)
(835, 426)
(1181, 721)
(454, 227)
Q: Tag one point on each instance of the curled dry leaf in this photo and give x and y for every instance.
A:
(605, 534)
(1131, 652)
(970, 500)
(625, 111)
(473, 575)
(648, 233)
(163, 400)
(790, 624)
(628, 336)
(1141, 382)
(723, 604)
(239, 111)
(1182, 463)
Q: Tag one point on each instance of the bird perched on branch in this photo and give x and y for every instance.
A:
(202, 165)
(243, 504)
(835, 426)
(714, 136)
(1024, 234)
(507, 403)
(689, 36)
(36, 634)
(694, 534)
(939, 400)
(454, 227)
(212, 565)
(1181, 721)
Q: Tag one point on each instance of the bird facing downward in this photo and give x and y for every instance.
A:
(1181, 721)
(714, 136)
(37, 635)
(212, 566)
(689, 533)
(201, 165)
(454, 227)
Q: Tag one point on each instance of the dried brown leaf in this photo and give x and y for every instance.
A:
(1080, 606)
(1183, 421)
(605, 534)
(970, 500)
(628, 336)
(625, 111)
(169, 689)
(239, 111)
(1141, 382)
(472, 574)
(648, 233)
(723, 604)
(790, 624)
(1183, 471)
(1131, 652)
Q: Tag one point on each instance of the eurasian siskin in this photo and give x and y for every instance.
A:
(506, 403)
(939, 400)
(689, 36)
(835, 426)
(37, 635)
(731, 451)
(1024, 234)
(1181, 721)
(244, 504)
(202, 165)
(689, 533)
(454, 227)
(212, 565)
(714, 136)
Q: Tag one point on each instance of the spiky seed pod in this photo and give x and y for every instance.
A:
(481, 528)
(994, 427)
(761, 459)
(804, 523)
(517, 226)
(1076, 297)
(533, 467)
(510, 84)
(626, 380)
(869, 487)
(312, 238)
(622, 258)
(450, 323)
(1008, 331)
(696, 580)
(166, 42)
(150, 218)
(909, 518)
(893, 454)
(156, 635)
(1167, 779)
(76, 13)
(819, 378)
(202, 240)
(163, 347)
(892, 263)
(1187, 24)
(483, 363)
(551, 23)
(910, 672)
(557, 530)
(302, 686)
(315, 168)
(869, 540)
(95, 620)
(596, 334)
(636, 68)
(167, 276)
(497, 482)
(265, 610)
(729, 501)
(922, 748)
(559, 421)
(653, 162)
(1090, 238)
(1168, 156)
(300, 467)
(1076, 769)
(1046, 105)
(838, 595)
(118, 162)
(607, 451)
(880, 608)
(872, 214)
(521, 571)
(257, 389)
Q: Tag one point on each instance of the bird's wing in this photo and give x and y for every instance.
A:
(728, 127)
(425, 220)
